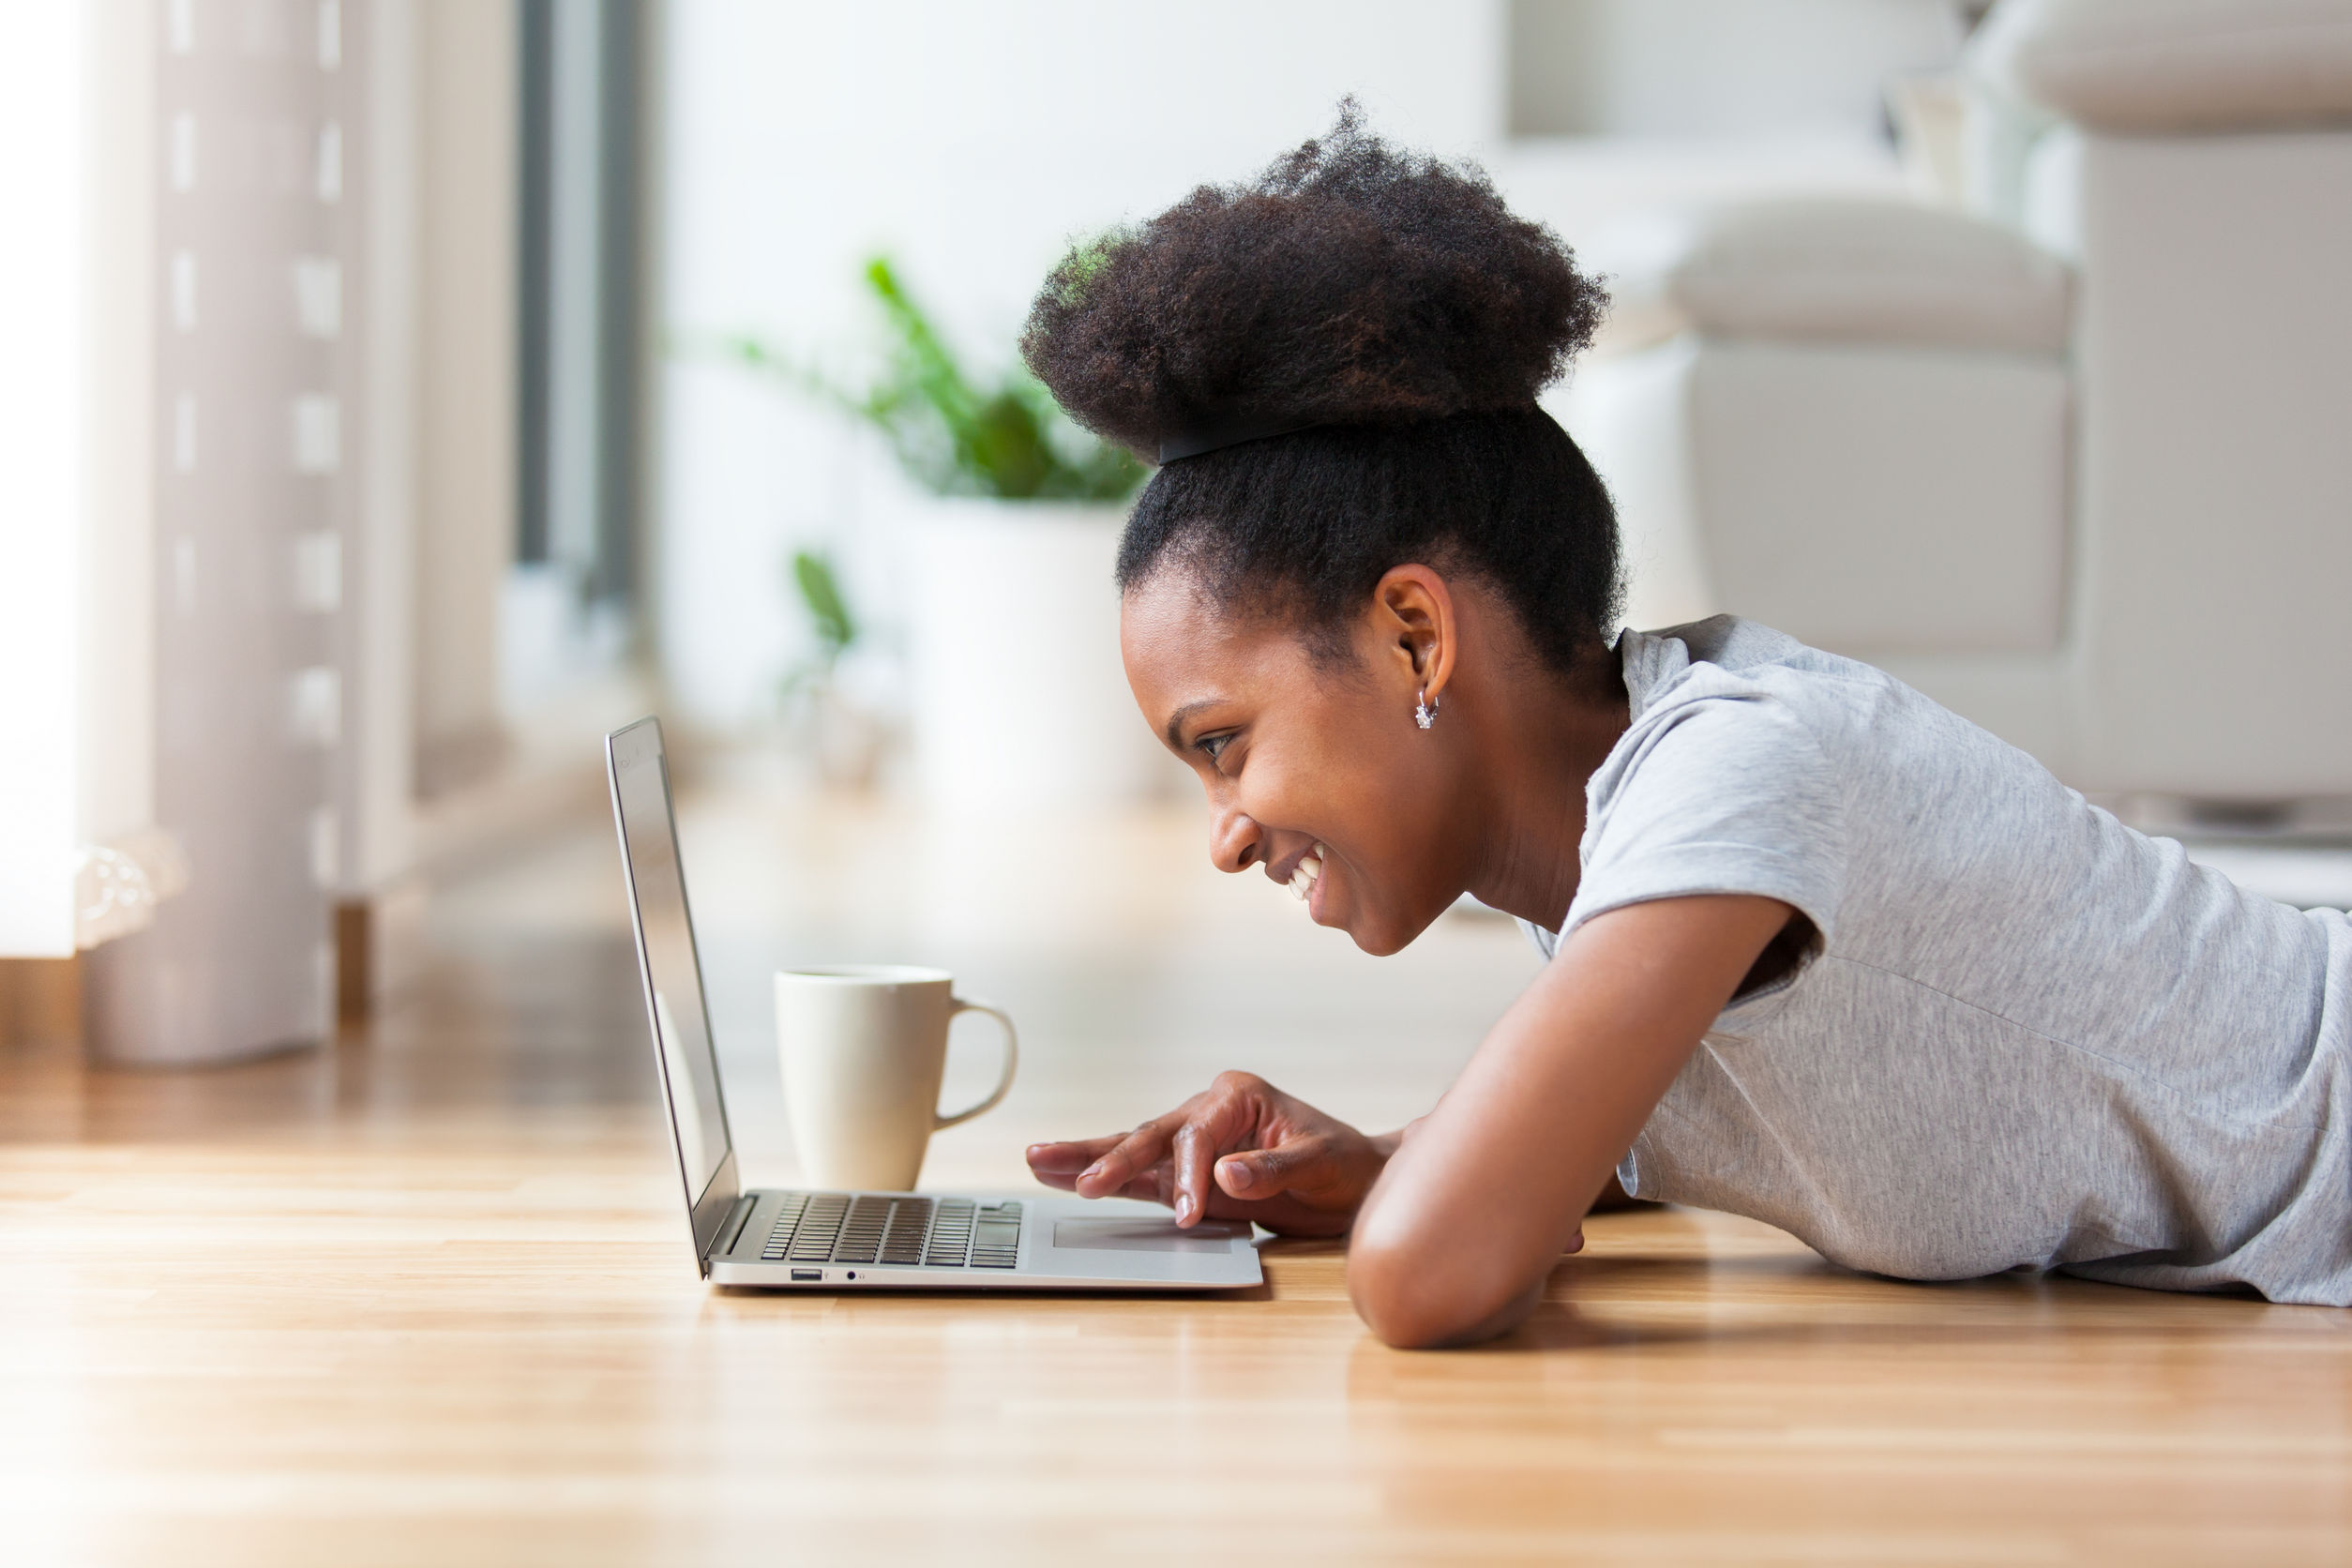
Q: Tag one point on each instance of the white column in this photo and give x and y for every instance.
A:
(262, 167)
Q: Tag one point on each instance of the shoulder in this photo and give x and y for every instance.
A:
(1726, 779)
(1724, 691)
(1724, 656)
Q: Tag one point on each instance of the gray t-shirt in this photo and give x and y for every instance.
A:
(2031, 1035)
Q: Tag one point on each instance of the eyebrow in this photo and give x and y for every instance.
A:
(1176, 721)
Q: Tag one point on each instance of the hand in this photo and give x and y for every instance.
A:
(1241, 1149)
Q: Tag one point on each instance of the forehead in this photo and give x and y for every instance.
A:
(1175, 637)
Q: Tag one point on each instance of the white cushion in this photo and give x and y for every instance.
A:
(2169, 67)
(1831, 270)
(1866, 501)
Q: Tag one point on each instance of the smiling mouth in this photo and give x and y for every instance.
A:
(1311, 868)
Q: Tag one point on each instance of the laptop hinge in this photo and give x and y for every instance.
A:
(737, 1217)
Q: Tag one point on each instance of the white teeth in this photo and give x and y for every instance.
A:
(1303, 880)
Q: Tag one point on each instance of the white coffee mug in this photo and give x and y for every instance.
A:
(864, 1047)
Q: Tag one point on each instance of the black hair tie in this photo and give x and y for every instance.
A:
(1217, 432)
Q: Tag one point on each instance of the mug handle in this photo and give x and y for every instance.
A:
(1012, 1059)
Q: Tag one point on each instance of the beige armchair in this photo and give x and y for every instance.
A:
(2079, 463)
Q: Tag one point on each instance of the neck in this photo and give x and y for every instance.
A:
(1547, 737)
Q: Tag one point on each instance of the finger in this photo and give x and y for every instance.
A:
(1575, 1243)
(1069, 1158)
(1190, 1171)
(1233, 1112)
(1155, 1186)
(1257, 1174)
(1137, 1152)
(1151, 1186)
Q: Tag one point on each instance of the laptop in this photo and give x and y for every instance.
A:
(844, 1241)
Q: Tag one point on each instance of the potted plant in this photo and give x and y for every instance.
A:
(1011, 531)
(844, 735)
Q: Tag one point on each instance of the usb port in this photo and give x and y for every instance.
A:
(809, 1276)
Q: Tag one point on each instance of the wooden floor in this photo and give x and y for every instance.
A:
(423, 1296)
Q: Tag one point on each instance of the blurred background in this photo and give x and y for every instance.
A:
(402, 392)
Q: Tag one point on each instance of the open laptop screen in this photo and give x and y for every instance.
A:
(674, 978)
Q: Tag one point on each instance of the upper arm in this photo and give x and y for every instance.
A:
(1481, 1201)
(1718, 793)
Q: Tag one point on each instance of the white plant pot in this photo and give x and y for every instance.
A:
(1013, 647)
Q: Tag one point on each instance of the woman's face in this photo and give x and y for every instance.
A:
(1305, 760)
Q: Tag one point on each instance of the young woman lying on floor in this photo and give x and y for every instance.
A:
(1821, 952)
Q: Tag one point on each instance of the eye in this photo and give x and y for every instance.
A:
(1213, 746)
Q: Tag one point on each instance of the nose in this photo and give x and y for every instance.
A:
(1236, 842)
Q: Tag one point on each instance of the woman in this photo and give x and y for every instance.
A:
(1821, 952)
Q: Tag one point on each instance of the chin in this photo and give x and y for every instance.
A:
(1382, 938)
(1378, 937)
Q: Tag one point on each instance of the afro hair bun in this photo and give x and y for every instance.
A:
(1349, 284)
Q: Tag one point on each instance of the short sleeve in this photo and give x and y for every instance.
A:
(1716, 792)
(1544, 941)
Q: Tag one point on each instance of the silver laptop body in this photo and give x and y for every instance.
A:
(835, 1241)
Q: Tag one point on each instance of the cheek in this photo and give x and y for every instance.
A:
(1346, 777)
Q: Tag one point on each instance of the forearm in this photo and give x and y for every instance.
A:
(1450, 1247)
(1611, 1195)
(1476, 1206)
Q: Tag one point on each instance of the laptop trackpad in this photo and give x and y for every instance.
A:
(1144, 1235)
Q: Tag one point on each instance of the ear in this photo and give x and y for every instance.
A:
(1413, 611)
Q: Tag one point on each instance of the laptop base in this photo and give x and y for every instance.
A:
(965, 1242)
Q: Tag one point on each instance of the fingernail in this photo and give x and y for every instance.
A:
(1091, 1172)
(1184, 1207)
(1236, 1175)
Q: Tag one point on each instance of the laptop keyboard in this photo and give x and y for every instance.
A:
(930, 1233)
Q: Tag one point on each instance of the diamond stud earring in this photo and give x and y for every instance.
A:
(1424, 711)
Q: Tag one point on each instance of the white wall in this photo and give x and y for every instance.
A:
(1694, 68)
(48, 77)
(77, 155)
(972, 142)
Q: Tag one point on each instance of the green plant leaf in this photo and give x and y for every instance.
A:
(828, 613)
(952, 434)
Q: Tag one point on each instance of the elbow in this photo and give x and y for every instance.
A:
(1424, 1299)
